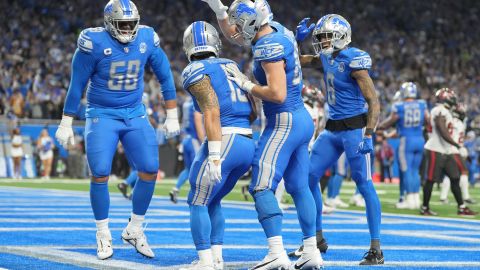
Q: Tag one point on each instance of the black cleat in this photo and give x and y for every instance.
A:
(296, 253)
(123, 189)
(465, 211)
(174, 195)
(372, 257)
(322, 245)
(245, 192)
(425, 211)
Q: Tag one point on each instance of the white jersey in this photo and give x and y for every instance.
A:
(458, 134)
(435, 141)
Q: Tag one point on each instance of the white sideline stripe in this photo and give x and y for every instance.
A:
(75, 258)
(89, 213)
(234, 247)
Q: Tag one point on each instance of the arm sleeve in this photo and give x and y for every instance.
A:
(83, 65)
(161, 67)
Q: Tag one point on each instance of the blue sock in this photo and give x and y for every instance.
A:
(402, 184)
(200, 226)
(132, 178)
(269, 214)
(142, 195)
(373, 208)
(338, 184)
(331, 187)
(317, 196)
(182, 178)
(303, 200)
(218, 223)
(99, 199)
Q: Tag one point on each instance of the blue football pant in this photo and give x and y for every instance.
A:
(139, 141)
(283, 152)
(206, 218)
(410, 154)
(327, 149)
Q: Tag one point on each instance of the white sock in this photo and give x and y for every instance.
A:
(310, 244)
(464, 187)
(205, 256)
(279, 192)
(275, 245)
(136, 222)
(102, 225)
(217, 253)
(445, 186)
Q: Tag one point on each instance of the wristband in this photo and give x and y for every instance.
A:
(172, 113)
(368, 132)
(248, 86)
(214, 148)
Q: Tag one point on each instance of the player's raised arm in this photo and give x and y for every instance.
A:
(368, 90)
(302, 32)
(161, 67)
(228, 30)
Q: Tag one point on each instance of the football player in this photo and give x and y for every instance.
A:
(350, 123)
(194, 136)
(113, 59)
(410, 116)
(227, 153)
(283, 146)
(440, 153)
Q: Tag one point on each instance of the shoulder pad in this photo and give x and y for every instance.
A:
(156, 38)
(396, 107)
(86, 39)
(359, 59)
(269, 49)
(193, 73)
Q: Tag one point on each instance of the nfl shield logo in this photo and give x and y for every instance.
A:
(341, 67)
(143, 47)
(126, 49)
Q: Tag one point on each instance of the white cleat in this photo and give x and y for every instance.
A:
(357, 200)
(311, 261)
(274, 261)
(218, 265)
(139, 241)
(104, 245)
(197, 265)
(402, 205)
(327, 209)
(339, 203)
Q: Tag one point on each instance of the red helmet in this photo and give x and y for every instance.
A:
(460, 111)
(311, 95)
(446, 96)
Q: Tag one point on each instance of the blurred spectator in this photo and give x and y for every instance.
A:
(45, 147)
(385, 156)
(76, 159)
(17, 153)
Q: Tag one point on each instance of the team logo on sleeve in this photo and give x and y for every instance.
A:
(143, 47)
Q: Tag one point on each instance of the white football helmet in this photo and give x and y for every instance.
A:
(248, 16)
(201, 37)
(121, 19)
(409, 90)
(336, 33)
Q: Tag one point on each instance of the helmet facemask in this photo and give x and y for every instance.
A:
(332, 33)
(125, 31)
(122, 21)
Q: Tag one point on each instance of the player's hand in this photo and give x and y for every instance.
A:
(365, 146)
(218, 7)
(303, 31)
(235, 75)
(214, 170)
(64, 134)
(171, 125)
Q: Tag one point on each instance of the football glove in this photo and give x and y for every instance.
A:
(303, 31)
(218, 7)
(171, 125)
(64, 134)
(235, 75)
(214, 164)
(365, 146)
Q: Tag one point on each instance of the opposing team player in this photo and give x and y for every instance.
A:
(228, 151)
(459, 154)
(410, 116)
(283, 146)
(193, 137)
(439, 153)
(350, 124)
(113, 59)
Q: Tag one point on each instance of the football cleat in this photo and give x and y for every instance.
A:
(322, 245)
(425, 211)
(123, 189)
(357, 200)
(312, 261)
(274, 261)
(138, 240)
(197, 265)
(465, 211)
(174, 195)
(104, 245)
(372, 257)
(339, 203)
(217, 264)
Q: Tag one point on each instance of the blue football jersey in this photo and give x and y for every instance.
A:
(188, 120)
(411, 117)
(235, 107)
(115, 72)
(344, 97)
(279, 46)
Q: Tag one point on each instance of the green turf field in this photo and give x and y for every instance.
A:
(388, 193)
